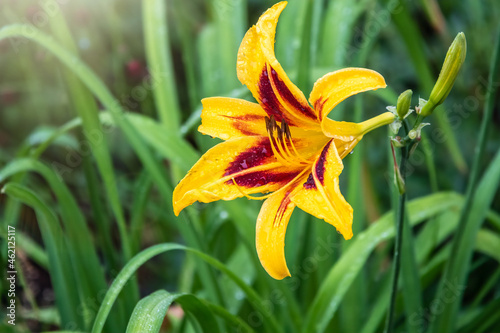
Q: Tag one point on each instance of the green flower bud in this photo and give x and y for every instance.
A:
(452, 63)
(403, 106)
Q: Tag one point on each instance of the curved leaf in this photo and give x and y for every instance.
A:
(145, 255)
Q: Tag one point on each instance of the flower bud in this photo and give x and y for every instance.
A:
(452, 63)
(403, 106)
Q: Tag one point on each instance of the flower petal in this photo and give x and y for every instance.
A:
(320, 194)
(261, 72)
(229, 118)
(270, 234)
(335, 87)
(247, 160)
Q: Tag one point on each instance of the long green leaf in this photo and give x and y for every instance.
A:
(160, 65)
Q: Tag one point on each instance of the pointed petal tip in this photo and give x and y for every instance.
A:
(279, 275)
(347, 234)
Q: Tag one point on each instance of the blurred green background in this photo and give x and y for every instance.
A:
(90, 186)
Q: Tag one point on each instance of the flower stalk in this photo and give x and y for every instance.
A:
(401, 174)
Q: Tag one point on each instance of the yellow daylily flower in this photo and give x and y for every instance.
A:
(281, 145)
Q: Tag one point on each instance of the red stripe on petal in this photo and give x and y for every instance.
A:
(239, 122)
(261, 178)
(320, 164)
(289, 98)
(318, 106)
(310, 184)
(269, 101)
(282, 209)
(255, 156)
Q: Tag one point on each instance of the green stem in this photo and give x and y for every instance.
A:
(398, 245)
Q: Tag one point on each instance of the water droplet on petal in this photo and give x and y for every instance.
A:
(244, 164)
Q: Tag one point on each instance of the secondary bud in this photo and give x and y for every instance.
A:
(403, 106)
(455, 57)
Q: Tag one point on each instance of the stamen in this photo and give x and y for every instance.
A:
(286, 130)
(271, 125)
(278, 137)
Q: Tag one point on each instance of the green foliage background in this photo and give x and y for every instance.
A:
(99, 104)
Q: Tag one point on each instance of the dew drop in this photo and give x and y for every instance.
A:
(351, 152)
(244, 164)
(264, 100)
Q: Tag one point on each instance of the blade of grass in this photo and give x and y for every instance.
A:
(157, 48)
(488, 243)
(141, 195)
(478, 198)
(150, 312)
(229, 18)
(101, 220)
